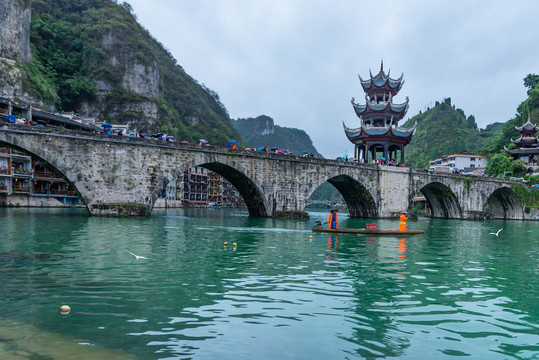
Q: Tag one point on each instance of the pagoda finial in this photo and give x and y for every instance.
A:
(382, 65)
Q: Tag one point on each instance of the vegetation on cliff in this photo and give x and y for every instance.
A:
(441, 131)
(82, 51)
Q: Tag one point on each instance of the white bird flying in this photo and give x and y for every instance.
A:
(137, 256)
(496, 233)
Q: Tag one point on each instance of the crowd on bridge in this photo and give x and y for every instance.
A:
(12, 119)
(109, 129)
(381, 161)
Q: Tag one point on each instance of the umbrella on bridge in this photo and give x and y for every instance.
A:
(157, 135)
(10, 119)
(231, 142)
(185, 142)
(274, 149)
(105, 125)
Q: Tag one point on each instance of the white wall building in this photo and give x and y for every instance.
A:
(463, 161)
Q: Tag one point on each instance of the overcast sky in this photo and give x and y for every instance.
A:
(298, 61)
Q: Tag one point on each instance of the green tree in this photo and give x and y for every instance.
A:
(531, 80)
(471, 122)
(498, 164)
(518, 168)
(501, 163)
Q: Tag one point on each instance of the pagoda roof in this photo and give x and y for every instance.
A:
(522, 151)
(525, 141)
(372, 106)
(381, 80)
(528, 126)
(374, 131)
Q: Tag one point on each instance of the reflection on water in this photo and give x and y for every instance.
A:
(453, 291)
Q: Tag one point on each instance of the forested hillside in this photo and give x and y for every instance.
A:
(444, 130)
(92, 57)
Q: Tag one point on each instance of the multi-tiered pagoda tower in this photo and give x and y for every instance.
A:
(528, 145)
(379, 136)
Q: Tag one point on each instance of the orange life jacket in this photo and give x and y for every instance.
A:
(402, 222)
(333, 217)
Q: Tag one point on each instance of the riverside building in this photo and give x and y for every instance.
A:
(461, 162)
(27, 182)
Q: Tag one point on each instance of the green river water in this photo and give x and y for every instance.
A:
(455, 291)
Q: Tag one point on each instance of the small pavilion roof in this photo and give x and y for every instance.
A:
(522, 151)
(525, 141)
(367, 131)
(372, 106)
(528, 126)
(381, 80)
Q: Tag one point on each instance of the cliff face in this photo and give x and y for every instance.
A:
(140, 80)
(15, 18)
(15, 52)
(94, 58)
(263, 125)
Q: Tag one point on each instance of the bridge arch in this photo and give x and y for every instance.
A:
(34, 150)
(359, 200)
(503, 204)
(442, 200)
(255, 200)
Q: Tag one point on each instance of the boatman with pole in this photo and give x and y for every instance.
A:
(402, 221)
(333, 219)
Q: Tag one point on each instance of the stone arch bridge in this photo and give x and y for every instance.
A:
(122, 176)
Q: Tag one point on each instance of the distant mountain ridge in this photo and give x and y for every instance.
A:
(262, 131)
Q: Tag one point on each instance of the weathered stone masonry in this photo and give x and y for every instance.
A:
(121, 176)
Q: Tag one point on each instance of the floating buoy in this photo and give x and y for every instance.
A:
(226, 243)
(310, 236)
(234, 244)
(64, 309)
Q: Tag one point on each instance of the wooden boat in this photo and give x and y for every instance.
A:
(369, 232)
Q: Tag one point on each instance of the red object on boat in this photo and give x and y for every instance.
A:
(372, 227)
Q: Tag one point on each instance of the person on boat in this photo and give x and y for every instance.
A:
(333, 219)
(402, 221)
